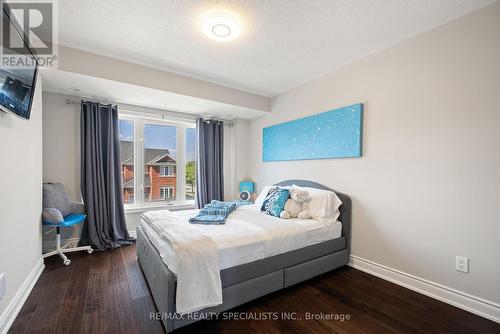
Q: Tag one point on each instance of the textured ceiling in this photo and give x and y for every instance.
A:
(283, 43)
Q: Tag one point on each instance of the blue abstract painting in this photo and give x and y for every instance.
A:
(332, 134)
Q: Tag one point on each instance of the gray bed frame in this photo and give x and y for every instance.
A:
(248, 281)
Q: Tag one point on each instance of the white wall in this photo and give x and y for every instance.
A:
(61, 157)
(61, 152)
(20, 198)
(428, 184)
(61, 143)
(235, 157)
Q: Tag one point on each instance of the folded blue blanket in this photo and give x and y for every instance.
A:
(216, 212)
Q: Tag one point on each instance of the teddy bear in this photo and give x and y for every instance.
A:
(297, 206)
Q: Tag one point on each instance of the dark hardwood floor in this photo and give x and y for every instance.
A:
(106, 293)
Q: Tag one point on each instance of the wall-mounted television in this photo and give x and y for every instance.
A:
(17, 83)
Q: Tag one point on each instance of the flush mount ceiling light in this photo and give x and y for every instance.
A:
(221, 27)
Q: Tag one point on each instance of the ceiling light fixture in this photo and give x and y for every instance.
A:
(221, 27)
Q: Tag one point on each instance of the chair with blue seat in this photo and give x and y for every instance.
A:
(59, 211)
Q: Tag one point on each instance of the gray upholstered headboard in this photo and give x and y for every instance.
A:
(345, 208)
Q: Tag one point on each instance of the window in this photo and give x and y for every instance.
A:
(167, 193)
(160, 159)
(190, 163)
(167, 170)
(127, 159)
(165, 150)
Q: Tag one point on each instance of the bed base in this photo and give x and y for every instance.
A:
(249, 281)
(239, 285)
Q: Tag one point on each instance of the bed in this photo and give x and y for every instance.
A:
(243, 281)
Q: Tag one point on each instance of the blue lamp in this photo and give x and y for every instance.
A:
(246, 185)
(246, 190)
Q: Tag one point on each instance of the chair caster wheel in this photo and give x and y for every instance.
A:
(90, 250)
(67, 262)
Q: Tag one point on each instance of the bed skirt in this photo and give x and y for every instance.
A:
(242, 283)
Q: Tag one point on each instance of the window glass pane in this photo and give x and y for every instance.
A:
(127, 159)
(160, 163)
(190, 163)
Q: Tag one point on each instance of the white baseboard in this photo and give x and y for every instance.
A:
(470, 303)
(48, 246)
(15, 305)
(133, 233)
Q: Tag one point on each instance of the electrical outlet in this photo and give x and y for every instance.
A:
(462, 264)
(3, 279)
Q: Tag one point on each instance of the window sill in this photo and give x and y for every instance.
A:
(132, 208)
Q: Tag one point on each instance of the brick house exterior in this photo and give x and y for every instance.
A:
(160, 171)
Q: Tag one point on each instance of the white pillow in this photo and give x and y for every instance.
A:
(323, 205)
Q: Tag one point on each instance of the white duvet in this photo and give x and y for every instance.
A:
(195, 258)
(197, 253)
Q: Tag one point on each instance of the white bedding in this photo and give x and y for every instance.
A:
(196, 253)
(249, 235)
(196, 258)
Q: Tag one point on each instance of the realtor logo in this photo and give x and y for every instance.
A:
(31, 24)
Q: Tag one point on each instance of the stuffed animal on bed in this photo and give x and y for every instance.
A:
(297, 206)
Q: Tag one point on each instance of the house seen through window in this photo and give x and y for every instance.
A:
(167, 173)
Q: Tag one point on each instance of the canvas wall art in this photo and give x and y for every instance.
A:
(332, 134)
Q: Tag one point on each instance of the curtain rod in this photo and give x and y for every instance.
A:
(225, 122)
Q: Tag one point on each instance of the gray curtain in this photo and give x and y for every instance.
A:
(209, 180)
(101, 178)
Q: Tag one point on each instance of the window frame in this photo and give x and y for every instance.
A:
(139, 123)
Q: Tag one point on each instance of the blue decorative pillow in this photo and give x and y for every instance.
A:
(275, 201)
